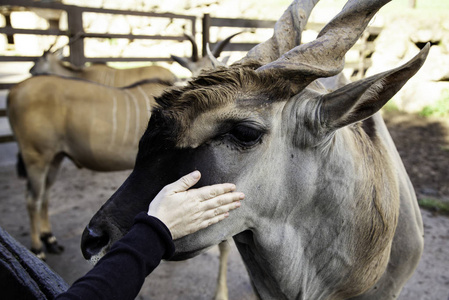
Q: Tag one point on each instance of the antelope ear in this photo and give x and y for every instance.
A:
(361, 99)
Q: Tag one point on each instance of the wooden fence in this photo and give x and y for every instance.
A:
(365, 46)
(76, 33)
(76, 29)
(23, 275)
(209, 22)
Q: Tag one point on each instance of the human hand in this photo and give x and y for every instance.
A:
(186, 211)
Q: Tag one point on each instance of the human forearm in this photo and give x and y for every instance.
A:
(122, 271)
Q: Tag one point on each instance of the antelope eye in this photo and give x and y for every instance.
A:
(244, 135)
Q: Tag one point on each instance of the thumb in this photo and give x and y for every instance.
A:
(185, 182)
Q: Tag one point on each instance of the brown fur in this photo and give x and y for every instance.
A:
(380, 207)
(219, 88)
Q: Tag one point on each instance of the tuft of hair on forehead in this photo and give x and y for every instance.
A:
(178, 107)
(223, 86)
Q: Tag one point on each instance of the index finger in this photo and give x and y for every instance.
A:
(211, 191)
(185, 182)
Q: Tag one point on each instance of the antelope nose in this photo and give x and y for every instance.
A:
(93, 241)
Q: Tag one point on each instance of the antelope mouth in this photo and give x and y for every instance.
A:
(94, 259)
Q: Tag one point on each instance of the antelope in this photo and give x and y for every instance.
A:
(51, 63)
(96, 126)
(330, 212)
(54, 117)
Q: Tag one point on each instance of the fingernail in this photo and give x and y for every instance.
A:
(226, 214)
(242, 196)
(195, 174)
(238, 204)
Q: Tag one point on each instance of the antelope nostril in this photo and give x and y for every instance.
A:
(93, 242)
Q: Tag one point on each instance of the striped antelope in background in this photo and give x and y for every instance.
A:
(51, 63)
(96, 126)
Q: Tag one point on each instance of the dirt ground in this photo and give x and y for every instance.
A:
(78, 194)
(423, 144)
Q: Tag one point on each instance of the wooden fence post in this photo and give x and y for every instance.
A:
(9, 37)
(75, 22)
(363, 52)
(206, 36)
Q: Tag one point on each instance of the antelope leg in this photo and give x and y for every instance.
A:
(222, 286)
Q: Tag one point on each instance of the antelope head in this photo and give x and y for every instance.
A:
(315, 216)
(51, 62)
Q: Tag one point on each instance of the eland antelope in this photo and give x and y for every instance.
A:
(96, 126)
(51, 63)
(330, 212)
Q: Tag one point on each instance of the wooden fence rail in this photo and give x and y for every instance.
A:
(209, 22)
(23, 275)
(365, 45)
(76, 28)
